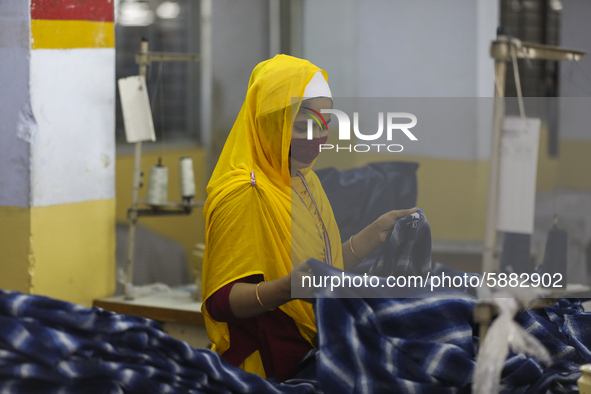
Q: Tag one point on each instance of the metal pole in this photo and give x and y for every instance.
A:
(206, 86)
(490, 261)
(135, 195)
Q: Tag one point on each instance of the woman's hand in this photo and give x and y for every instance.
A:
(384, 224)
(359, 246)
(297, 280)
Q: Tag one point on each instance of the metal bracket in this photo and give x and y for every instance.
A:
(145, 58)
(500, 50)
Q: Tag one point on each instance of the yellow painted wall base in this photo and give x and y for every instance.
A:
(63, 251)
(15, 234)
(74, 250)
(575, 164)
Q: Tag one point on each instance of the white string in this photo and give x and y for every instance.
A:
(156, 85)
(514, 45)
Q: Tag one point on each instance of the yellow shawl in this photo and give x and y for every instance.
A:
(249, 227)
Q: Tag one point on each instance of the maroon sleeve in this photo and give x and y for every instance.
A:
(273, 333)
(218, 304)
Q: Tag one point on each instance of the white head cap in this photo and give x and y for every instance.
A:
(317, 87)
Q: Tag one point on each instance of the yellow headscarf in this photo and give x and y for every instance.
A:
(249, 205)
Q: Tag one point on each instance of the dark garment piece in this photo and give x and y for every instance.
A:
(516, 255)
(408, 248)
(555, 256)
(359, 196)
(406, 255)
(274, 334)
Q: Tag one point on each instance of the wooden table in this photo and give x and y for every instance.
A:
(179, 314)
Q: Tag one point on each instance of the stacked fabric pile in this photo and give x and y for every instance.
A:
(366, 345)
(52, 346)
(429, 345)
(418, 345)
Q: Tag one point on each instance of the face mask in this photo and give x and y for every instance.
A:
(305, 150)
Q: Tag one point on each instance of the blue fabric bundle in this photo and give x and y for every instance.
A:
(371, 345)
(429, 345)
(53, 346)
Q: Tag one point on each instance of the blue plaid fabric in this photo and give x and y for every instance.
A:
(371, 345)
(429, 345)
(50, 346)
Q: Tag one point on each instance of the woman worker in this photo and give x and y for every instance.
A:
(263, 178)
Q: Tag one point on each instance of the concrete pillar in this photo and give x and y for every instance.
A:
(57, 148)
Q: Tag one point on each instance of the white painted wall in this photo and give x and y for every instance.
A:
(487, 21)
(73, 151)
(331, 41)
(400, 48)
(417, 49)
(56, 118)
(14, 98)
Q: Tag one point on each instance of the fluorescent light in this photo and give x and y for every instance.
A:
(135, 14)
(168, 10)
(556, 5)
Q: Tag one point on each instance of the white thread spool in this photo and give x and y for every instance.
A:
(187, 178)
(158, 185)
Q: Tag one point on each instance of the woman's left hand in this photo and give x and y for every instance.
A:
(386, 222)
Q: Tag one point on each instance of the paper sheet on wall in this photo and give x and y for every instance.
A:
(135, 104)
(517, 176)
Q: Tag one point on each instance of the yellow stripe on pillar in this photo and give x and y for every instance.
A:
(74, 250)
(65, 34)
(15, 257)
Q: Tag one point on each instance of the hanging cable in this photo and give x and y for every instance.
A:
(515, 44)
(155, 87)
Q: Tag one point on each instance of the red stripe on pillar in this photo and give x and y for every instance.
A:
(81, 10)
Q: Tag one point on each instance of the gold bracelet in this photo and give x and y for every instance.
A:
(351, 246)
(259, 297)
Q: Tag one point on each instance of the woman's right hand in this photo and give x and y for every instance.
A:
(298, 289)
